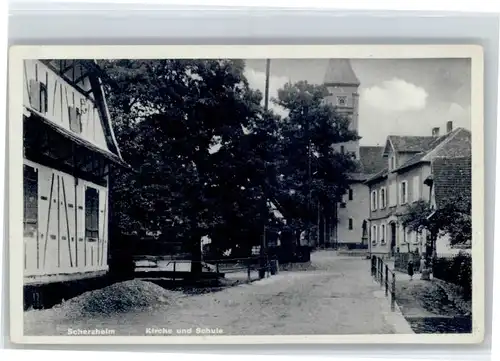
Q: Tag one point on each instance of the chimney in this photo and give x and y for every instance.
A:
(449, 126)
(435, 132)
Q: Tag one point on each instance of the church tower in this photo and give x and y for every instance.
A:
(342, 85)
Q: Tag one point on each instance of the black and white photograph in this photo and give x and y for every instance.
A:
(293, 194)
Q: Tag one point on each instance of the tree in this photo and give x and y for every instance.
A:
(310, 170)
(452, 218)
(207, 157)
(181, 125)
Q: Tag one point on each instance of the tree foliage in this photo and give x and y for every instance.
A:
(452, 218)
(310, 169)
(207, 156)
(181, 127)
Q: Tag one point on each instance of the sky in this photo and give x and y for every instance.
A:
(397, 97)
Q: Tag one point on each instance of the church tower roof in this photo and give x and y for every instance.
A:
(340, 72)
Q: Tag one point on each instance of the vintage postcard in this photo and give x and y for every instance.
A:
(246, 194)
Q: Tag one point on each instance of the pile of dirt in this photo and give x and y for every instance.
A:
(118, 298)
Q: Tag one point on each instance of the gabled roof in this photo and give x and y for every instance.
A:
(451, 145)
(340, 72)
(452, 176)
(454, 144)
(410, 144)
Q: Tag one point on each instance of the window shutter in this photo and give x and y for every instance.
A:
(35, 94)
(416, 188)
(392, 194)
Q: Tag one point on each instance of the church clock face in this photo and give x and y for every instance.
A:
(342, 101)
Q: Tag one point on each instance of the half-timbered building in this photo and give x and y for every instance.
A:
(69, 146)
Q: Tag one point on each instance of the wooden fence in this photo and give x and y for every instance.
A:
(166, 267)
(386, 277)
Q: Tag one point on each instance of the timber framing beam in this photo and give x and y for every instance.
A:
(70, 81)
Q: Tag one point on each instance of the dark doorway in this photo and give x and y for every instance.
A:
(393, 238)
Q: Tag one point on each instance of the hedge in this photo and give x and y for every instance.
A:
(456, 270)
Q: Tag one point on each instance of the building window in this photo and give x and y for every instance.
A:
(38, 96)
(374, 201)
(374, 234)
(350, 224)
(30, 185)
(383, 198)
(382, 234)
(392, 164)
(404, 192)
(91, 213)
(351, 195)
(341, 101)
(44, 101)
(342, 149)
(75, 119)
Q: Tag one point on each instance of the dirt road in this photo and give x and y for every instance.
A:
(335, 295)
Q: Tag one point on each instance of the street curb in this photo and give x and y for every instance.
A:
(394, 318)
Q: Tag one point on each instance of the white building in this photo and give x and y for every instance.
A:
(68, 148)
(411, 164)
(354, 211)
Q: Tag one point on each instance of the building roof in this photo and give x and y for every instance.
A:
(410, 144)
(451, 145)
(40, 119)
(340, 72)
(89, 69)
(371, 159)
(380, 175)
(451, 176)
(370, 162)
(454, 144)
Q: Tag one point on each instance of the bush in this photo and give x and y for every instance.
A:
(456, 270)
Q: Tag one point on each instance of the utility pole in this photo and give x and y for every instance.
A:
(263, 247)
(319, 229)
(309, 176)
(266, 107)
(266, 93)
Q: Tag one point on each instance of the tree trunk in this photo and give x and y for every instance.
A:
(196, 268)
